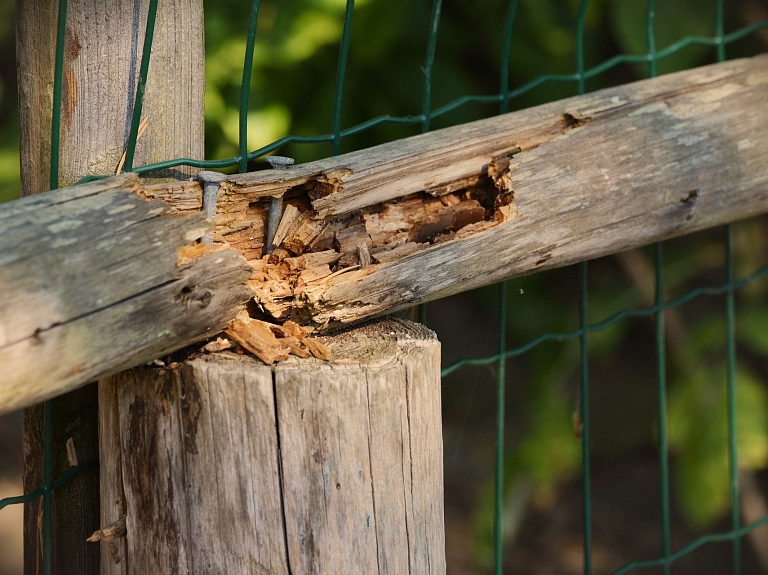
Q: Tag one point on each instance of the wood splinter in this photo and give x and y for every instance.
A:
(274, 343)
(113, 531)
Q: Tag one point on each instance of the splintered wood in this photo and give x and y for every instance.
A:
(378, 230)
(273, 343)
(310, 251)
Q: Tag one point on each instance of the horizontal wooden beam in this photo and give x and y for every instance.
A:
(96, 278)
(560, 183)
(104, 276)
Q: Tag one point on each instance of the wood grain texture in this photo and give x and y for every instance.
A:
(304, 467)
(112, 504)
(93, 283)
(154, 484)
(590, 175)
(231, 458)
(103, 50)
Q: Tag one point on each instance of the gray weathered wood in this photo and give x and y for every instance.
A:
(94, 281)
(112, 505)
(231, 466)
(591, 175)
(103, 50)
(154, 485)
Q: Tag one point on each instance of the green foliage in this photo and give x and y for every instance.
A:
(752, 329)
(673, 21)
(698, 432)
(10, 187)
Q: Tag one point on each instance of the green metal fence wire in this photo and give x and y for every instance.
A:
(428, 114)
(719, 41)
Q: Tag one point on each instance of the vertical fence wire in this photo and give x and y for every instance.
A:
(661, 366)
(149, 34)
(245, 87)
(584, 418)
(506, 46)
(58, 74)
(661, 359)
(429, 62)
(340, 75)
(498, 512)
(733, 456)
(583, 338)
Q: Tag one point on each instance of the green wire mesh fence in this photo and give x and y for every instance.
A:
(718, 41)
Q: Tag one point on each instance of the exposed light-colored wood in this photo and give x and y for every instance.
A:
(305, 467)
(181, 196)
(290, 215)
(112, 506)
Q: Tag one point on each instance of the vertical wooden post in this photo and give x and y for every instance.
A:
(229, 466)
(103, 49)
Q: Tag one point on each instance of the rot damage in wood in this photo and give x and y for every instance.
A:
(378, 230)
(310, 250)
(381, 229)
(312, 246)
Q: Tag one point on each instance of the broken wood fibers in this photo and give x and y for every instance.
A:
(382, 229)
(385, 228)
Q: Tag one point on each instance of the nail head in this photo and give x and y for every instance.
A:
(279, 161)
(206, 176)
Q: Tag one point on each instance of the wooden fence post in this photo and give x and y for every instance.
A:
(226, 465)
(102, 52)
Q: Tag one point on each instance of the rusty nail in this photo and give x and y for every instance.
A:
(210, 181)
(276, 203)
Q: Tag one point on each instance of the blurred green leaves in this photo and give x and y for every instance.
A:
(698, 434)
(673, 21)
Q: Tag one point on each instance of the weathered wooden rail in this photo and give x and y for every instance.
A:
(97, 279)
(382, 229)
(559, 183)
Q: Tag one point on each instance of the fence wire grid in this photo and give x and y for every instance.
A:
(718, 41)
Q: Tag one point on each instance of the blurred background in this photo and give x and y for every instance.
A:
(293, 91)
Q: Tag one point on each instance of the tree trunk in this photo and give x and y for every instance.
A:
(221, 464)
(102, 55)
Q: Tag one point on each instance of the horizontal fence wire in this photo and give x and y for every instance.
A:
(609, 321)
(427, 115)
(718, 41)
